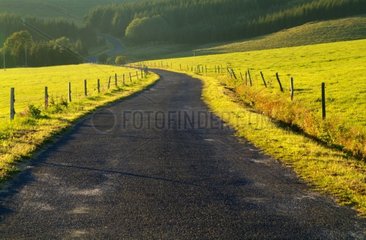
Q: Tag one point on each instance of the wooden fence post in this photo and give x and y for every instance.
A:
(263, 79)
(116, 80)
(137, 75)
(279, 81)
(250, 78)
(324, 112)
(85, 88)
(124, 79)
(12, 101)
(130, 77)
(292, 89)
(46, 97)
(234, 75)
(70, 93)
(98, 85)
(109, 82)
(229, 72)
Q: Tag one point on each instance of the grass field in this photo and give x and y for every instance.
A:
(352, 28)
(340, 65)
(35, 125)
(29, 83)
(254, 111)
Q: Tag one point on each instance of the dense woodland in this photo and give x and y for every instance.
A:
(203, 21)
(173, 21)
(40, 42)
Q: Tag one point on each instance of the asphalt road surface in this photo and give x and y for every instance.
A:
(159, 166)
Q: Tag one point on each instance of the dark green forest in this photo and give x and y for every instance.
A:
(43, 42)
(190, 22)
(203, 21)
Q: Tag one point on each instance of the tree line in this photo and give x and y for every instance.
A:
(203, 21)
(41, 42)
(57, 41)
(21, 50)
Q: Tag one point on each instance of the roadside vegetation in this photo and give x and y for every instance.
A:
(309, 66)
(34, 125)
(325, 153)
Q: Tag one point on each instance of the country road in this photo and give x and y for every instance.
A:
(159, 166)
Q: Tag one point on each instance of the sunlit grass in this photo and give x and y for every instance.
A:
(21, 137)
(29, 83)
(340, 65)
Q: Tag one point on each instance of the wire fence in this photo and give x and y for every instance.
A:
(242, 77)
(69, 92)
(280, 103)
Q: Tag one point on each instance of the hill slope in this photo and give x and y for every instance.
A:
(310, 33)
(344, 29)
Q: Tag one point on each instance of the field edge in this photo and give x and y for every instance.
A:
(20, 163)
(325, 170)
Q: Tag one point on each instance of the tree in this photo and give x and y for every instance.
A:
(102, 58)
(120, 60)
(18, 46)
(148, 29)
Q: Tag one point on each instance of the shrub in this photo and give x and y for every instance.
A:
(120, 60)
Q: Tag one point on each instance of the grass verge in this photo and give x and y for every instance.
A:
(34, 126)
(327, 170)
(339, 65)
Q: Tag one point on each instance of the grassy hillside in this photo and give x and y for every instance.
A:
(340, 65)
(34, 125)
(244, 107)
(307, 34)
(69, 9)
(312, 33)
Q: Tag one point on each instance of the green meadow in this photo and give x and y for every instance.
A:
(340, 65)
(29, 83)
(33, 124)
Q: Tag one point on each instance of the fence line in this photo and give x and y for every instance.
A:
(70, 94)
(247, 80)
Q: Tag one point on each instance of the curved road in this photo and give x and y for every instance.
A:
(159, 166)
